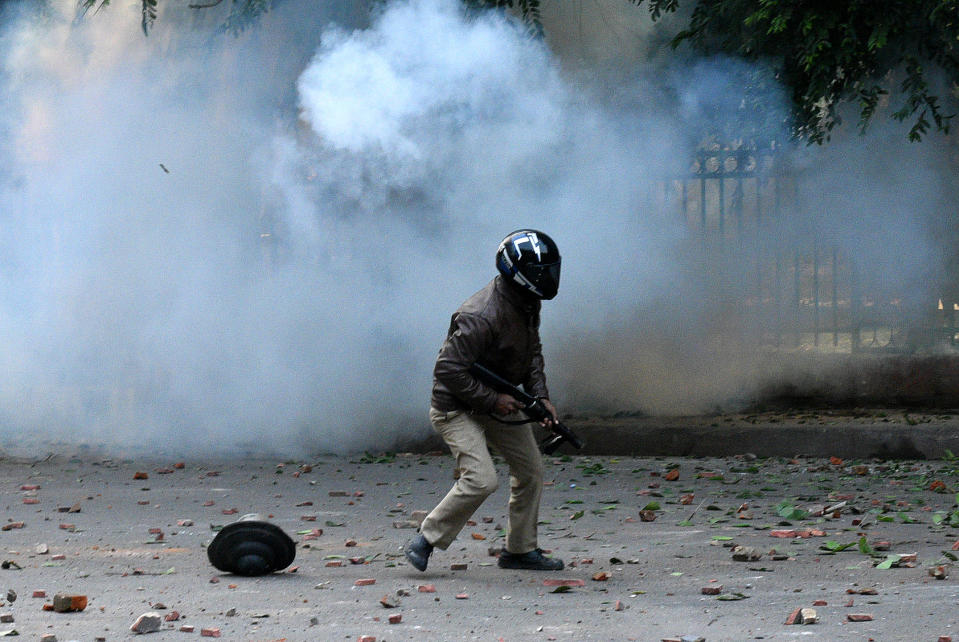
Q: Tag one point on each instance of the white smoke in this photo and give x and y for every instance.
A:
(214, 243)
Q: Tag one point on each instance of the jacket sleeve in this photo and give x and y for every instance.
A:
(469, 337)
(535, 384)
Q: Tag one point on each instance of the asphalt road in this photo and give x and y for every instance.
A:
(135, 543)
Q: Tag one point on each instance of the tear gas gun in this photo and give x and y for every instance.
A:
(532, 407)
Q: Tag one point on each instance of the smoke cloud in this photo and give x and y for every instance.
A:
(227, 243)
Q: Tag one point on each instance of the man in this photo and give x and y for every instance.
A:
(498, 327)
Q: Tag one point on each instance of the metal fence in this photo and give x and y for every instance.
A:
(800, 293)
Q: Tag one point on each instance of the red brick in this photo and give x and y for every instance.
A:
(367, 581)
(859, 617)
(396, 618)
(210, 633)
(188, 628)
(427, 588)
(794, 617)
(715, 589)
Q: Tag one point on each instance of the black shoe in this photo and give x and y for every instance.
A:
(418, 551)
(532, 561)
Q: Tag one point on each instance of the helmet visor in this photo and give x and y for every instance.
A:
(545, 277)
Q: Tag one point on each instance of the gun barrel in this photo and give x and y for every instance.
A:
(532, 406)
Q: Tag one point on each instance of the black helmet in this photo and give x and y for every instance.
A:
(531, 260)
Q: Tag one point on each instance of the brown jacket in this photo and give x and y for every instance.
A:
(499, 327)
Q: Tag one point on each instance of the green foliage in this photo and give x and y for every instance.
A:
(243, 13)
(843, 52)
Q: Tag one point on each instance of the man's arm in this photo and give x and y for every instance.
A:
(469, 336)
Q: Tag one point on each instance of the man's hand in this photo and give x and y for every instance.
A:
(554, 417)
(506, 405)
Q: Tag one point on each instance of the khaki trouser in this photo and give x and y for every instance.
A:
(467, 436)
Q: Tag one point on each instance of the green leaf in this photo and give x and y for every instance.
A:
(836, 546)
(888, 562)
(577, 514)
(865, 548)
(652, 506)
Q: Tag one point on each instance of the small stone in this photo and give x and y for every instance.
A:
(64, 603)
(459, 566)
(746, 554)
(6, 618)
(48, 637)
(406, 524)
(396, 618)
(366, 581)
(859, 617)
(41, 549)
(808, 616)
(715, 589)
(389, 602)
(147, 623)
(418, 516)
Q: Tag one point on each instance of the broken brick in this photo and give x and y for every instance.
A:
(859, 617)
(426, 588)
(715, 589)
(212, 632)
(366, 581)
(63, 603)
(672, 475)
(396, 618)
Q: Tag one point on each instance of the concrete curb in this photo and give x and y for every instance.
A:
(848, 441)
